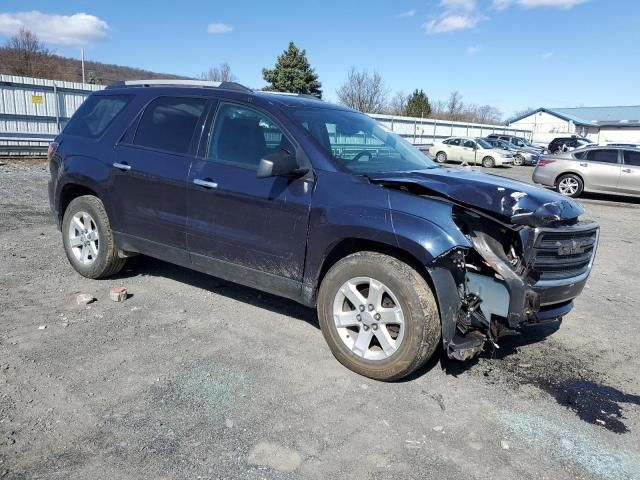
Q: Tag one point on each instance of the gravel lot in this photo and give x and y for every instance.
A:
(194, 377)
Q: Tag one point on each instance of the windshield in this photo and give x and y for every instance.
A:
(483, 143)
(359, 144)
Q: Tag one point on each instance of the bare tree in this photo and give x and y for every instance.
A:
(486, 114)
(397, 105)
(455, 107)
(363, 91)
(221, 73)
(26, 55)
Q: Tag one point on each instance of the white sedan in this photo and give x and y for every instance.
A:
(470, 151)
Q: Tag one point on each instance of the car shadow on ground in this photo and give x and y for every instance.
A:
(142, 265)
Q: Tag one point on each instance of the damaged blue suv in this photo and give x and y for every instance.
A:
(320, 204)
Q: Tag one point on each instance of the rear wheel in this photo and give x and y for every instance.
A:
(441, 157)
(570, 185)
(488, 162)
(378, 316)
(88, 239)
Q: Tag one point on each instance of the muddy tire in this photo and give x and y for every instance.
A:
(488, 162)
(88, 239)
(378, 316)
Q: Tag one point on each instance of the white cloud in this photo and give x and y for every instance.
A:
(408, 13)
(219, 28)
(457, 5)
(547, 55)
(451, 23)
(565, 4)
(473, 50)
(77, 29)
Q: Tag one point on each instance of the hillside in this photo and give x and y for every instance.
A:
(56, 67)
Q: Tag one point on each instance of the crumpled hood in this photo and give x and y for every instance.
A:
(511, 200)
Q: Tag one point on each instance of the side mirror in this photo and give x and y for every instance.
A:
(279, 164)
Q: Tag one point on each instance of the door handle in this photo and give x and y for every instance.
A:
(626, 170)
(584, 164)
(122, 166)
(206, 183)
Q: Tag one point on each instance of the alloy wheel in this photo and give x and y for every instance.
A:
(369, 319)
(84, 238)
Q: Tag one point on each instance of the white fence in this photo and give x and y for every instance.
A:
(34, 110)
(426, 131)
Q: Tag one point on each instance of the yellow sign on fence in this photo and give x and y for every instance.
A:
(37, 99)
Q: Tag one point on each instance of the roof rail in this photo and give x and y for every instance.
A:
(289, 94)
(179, 83)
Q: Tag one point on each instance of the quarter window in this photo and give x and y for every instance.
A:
(604, 156)
(243, 136)
(632, 158)
(168, 123)
(96, 114)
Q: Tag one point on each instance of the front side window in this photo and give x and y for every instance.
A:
(243, 136)
(168, 123)
(604, 156)
(469, 144)
(359, 144)
(632, 158)
(485, 144)
(96, 114)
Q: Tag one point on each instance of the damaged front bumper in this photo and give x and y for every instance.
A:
(479, 303)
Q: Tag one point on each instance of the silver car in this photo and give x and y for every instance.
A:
(596, 169)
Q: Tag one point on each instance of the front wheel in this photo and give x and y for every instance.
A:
(518, 160)
(570, 185)
(88, 239)
(488, 162)
(378, 316)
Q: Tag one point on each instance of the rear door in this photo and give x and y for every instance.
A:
(150, 171)
(243, 228)
(602, 169)
(630, 173)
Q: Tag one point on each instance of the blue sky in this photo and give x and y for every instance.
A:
(508, 53)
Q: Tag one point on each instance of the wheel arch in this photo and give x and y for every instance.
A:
(68, 193)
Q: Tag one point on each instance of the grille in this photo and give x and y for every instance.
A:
(560, 255)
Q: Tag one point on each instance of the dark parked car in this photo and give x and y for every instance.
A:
(518, 142)
(320, 204)
(563, 144)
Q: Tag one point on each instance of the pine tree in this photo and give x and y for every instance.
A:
(292, 73)
(418, 105)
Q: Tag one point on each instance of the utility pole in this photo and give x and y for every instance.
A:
(82, 60)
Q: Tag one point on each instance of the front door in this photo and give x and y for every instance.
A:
(602, 169)
(469, 151)
(247, 229)
(150, 171)
(630, 174)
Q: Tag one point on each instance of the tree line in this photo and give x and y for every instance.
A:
(24, 54)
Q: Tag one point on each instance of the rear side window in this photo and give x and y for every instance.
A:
(632, 158)
(96, 114)
(604, 156)
(168, 123)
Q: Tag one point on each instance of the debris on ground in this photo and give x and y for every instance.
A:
(118, 294)
(85, 299)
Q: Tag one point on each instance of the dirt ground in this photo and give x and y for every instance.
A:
(194, 377)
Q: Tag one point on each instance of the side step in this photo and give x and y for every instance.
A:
(466, 347)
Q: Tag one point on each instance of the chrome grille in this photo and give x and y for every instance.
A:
(563, 254)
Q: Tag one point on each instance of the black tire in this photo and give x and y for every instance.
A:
(574, 179)
(107, 261)
(518, 160)
(488, 162)
(422, 330)
(441, 157)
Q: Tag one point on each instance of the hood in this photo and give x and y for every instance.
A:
(511, 201)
